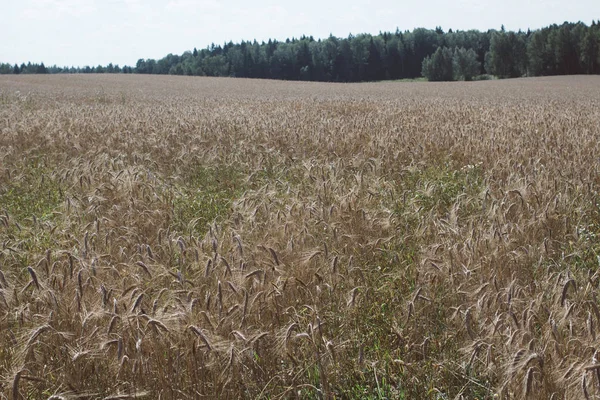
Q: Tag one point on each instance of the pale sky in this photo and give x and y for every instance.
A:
(92, 32)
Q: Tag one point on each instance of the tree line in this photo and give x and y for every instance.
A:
(570, 48)
(34, 68)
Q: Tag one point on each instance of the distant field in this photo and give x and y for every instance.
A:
(174, 237)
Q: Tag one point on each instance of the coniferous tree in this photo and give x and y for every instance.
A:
(41, 69)
(302, 65)
(565, 52)
(375, 71)
(590, 51)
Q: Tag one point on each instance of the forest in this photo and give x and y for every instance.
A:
(567, 49)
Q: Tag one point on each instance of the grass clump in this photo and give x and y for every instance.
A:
(30, 203)
(205, 197)
(31, 194)
(437, 188)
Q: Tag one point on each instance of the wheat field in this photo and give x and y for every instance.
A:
(187, 238)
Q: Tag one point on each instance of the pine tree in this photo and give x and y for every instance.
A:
(374, 63)
(590, 51)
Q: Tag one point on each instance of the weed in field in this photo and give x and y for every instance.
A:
(206, 196)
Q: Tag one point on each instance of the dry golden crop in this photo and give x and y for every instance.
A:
(174, 237)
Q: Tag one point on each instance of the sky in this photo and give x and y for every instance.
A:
(92, 32)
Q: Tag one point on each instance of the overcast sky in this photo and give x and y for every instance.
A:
(92, 32)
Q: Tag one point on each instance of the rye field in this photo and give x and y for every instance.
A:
(189, 238)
